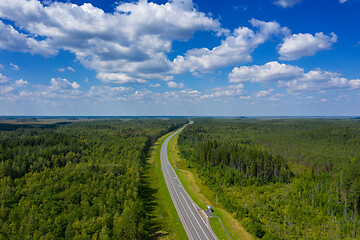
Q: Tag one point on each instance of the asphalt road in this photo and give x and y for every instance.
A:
(195, 224)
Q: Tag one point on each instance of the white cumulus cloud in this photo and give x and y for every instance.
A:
(128, 45)
(3, 79)
(271, 71)
(286, 3)
(6, 90)
(264, 93)
(63, 84)
(316, 80)
(228, 91)
(59, 88)
(14, 67)
(292, 77)
(21, 83)
(11, 39)
(235, 49)
(154, 85)
(66, 69)
(301, 45)
(173, 84)
(108, 91)
(355, 83)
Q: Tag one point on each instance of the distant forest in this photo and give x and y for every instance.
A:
(76, 181)
(282, 178)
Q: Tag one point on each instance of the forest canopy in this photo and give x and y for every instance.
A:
(76, 181)
(282, 178)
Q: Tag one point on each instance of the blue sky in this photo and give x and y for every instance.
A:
(180, 57)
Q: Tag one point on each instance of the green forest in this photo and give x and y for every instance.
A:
(80, 180)
(281, 178)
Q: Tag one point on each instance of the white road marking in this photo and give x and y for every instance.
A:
(181, 208)
(194, 215)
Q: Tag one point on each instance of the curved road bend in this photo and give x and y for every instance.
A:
(189, 213)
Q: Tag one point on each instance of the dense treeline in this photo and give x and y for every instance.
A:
(283, 179)
(240, 163)
(76, 181)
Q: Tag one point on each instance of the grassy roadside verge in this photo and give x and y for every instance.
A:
(203, 196)
(164, 213)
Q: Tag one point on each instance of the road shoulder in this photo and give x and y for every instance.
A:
(164, 212)
(204, 197)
